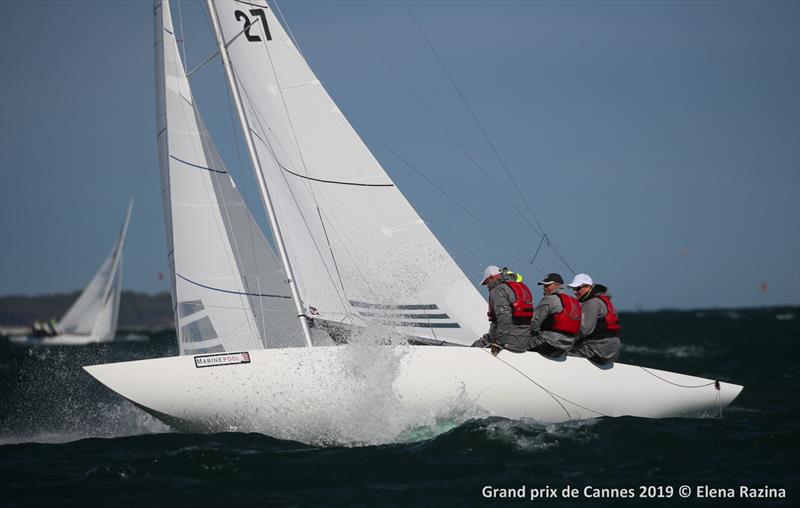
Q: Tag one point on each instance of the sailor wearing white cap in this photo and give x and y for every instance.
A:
(510, 310)
(599, 336)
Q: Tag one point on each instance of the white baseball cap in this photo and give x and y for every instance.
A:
(581, 279)
(489, 271)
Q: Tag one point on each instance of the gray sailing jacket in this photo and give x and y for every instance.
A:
(549, 304)
(601, 350)
(514, 337)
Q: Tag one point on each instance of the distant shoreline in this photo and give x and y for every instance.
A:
(146, 312)
(137, 311)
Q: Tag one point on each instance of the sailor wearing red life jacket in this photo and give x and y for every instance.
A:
(557, 319)
(600, 329)
(510, 310)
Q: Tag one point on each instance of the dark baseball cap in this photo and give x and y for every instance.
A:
(551, 278)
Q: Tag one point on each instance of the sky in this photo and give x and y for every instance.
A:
(657, 143)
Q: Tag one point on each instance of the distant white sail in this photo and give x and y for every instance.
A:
(94, 312)
(106, 325)
(228, 289)
(359, 250)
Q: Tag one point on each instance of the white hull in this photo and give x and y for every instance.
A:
(57, 340)
(376, 394)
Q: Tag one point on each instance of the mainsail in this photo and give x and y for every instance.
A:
(359, 250)
(95, 312)
(228, 291)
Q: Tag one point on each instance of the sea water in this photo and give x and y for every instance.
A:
(67, 440)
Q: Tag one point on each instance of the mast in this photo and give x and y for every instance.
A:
(262, 183)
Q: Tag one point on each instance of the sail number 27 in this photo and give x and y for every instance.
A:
(248, 24)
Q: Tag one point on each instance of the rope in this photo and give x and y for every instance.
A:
(544, 237)
(552, 394)
(678, 384)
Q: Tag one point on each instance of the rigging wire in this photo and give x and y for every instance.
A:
(272, 152)
(305, 167)
(288, 29)
(446, 194)
(183, 36)
(205, 135)
(220, 228)
(463, 149)
(483, 131)
(251, 220)
(536, 228)
(343, 294)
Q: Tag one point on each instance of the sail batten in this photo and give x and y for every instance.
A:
(350, 232)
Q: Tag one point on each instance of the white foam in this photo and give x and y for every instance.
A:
(532, 436)
(670, 352)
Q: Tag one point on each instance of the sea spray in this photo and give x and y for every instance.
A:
(350, 395)
(51, 398)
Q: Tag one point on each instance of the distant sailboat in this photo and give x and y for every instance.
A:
(354, 259)
(93, 317)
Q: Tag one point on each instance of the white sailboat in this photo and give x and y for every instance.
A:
(256, 330)
(93, 316)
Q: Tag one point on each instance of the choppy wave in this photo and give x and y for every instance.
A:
(52, 414)
(668, 352)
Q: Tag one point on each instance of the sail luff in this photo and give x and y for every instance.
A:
(226, 282)
(262, 185)
(83, 315)
(123, 233)
(353, 237)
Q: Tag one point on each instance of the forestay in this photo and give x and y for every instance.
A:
(228, 290)
(94, 313)
(360, 252)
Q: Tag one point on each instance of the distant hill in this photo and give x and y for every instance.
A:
(136, 310)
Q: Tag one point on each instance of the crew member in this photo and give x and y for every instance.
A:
(54, 327)
(510, 310)
(599, 337)
(557, 319)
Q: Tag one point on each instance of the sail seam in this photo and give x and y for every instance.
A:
(273, 153)
(414, 324)
(394, 307)
(334, 181)
(252, 4)
(343, 297)
(230, 291)
(404, 316)
(198, 166)
(284, 168)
